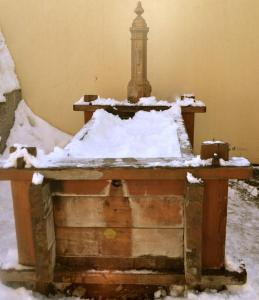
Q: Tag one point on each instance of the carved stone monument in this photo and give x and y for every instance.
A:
(138, 86)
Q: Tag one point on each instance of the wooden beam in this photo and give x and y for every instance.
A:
(132, 108)
(214, 223)
(128, 173)
(209, 279)
(23, 225)
(43, 232)
(193, 233)
(189, 118)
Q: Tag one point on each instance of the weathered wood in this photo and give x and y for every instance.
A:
(93, 241)
(88, 116)
(89, 98)
(43, 231)
(157, 212)
(154, 187)
(81, 187)
(210, 278)
(121, 242)
(157, 242)
(193, 233)
(132, 108)
(115, 277)
(208, 150)
(79, 211)
(148, 262)
(214, 223)
(189, 118)
(23, 225)
(126, 173)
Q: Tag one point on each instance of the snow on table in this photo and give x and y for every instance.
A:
(144, 101)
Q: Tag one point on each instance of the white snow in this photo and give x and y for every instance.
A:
(193, 179)
(212, 142)
(8, 78)
(235, 161)
(31, 130)
(144, 101)
(189, 102)
(147, 134)
(37, 178)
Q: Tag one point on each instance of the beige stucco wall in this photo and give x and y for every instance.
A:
(66, 48)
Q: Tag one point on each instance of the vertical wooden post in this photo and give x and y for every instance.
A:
(193, 233)
(43, 232)
(23, 226)
(214, 223)
(188, 118)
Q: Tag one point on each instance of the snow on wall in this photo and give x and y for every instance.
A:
(8, 78)
(31, 130)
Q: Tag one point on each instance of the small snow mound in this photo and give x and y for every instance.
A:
(37, 178)
(31, 130)
(8, 78)
(192, 179)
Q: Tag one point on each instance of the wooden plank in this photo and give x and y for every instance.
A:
(84, 277)
(23, 225)
(126, 173)
(116, 242)
(214, 223)
(157, 242)
(132, 108)
(93, 241)
(117, 210)
(62, 275)
(154, 187)
(148, 262)
(43, 231)
(188, 118)
(221, 149)
(157, 212)
(74, 211)
(193, 233)
(87, 116)
(81, 187)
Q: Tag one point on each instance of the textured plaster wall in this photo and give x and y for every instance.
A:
(64, 48)
(7, 111)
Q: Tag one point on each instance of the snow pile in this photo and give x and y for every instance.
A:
(147, 134)
(21, 152)
(192, 179)
(144, 101)
(189, 102)
(8, 78)
(235, 161)
(31, 130)
(37, 178)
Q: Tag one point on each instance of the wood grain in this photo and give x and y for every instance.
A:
(23, 224)
(193, 233)
(214, 223)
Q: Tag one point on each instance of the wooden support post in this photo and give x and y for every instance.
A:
(193, 233)
(214, 223)
(23, 226)
(219, 148)
(43, 233)
(189, 118)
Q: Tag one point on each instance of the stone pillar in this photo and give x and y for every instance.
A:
(138, 86)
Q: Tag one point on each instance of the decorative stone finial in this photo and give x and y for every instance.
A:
(139, 9)
(138, 86)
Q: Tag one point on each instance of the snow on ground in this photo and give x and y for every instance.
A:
(8, 78)
(30, 130)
